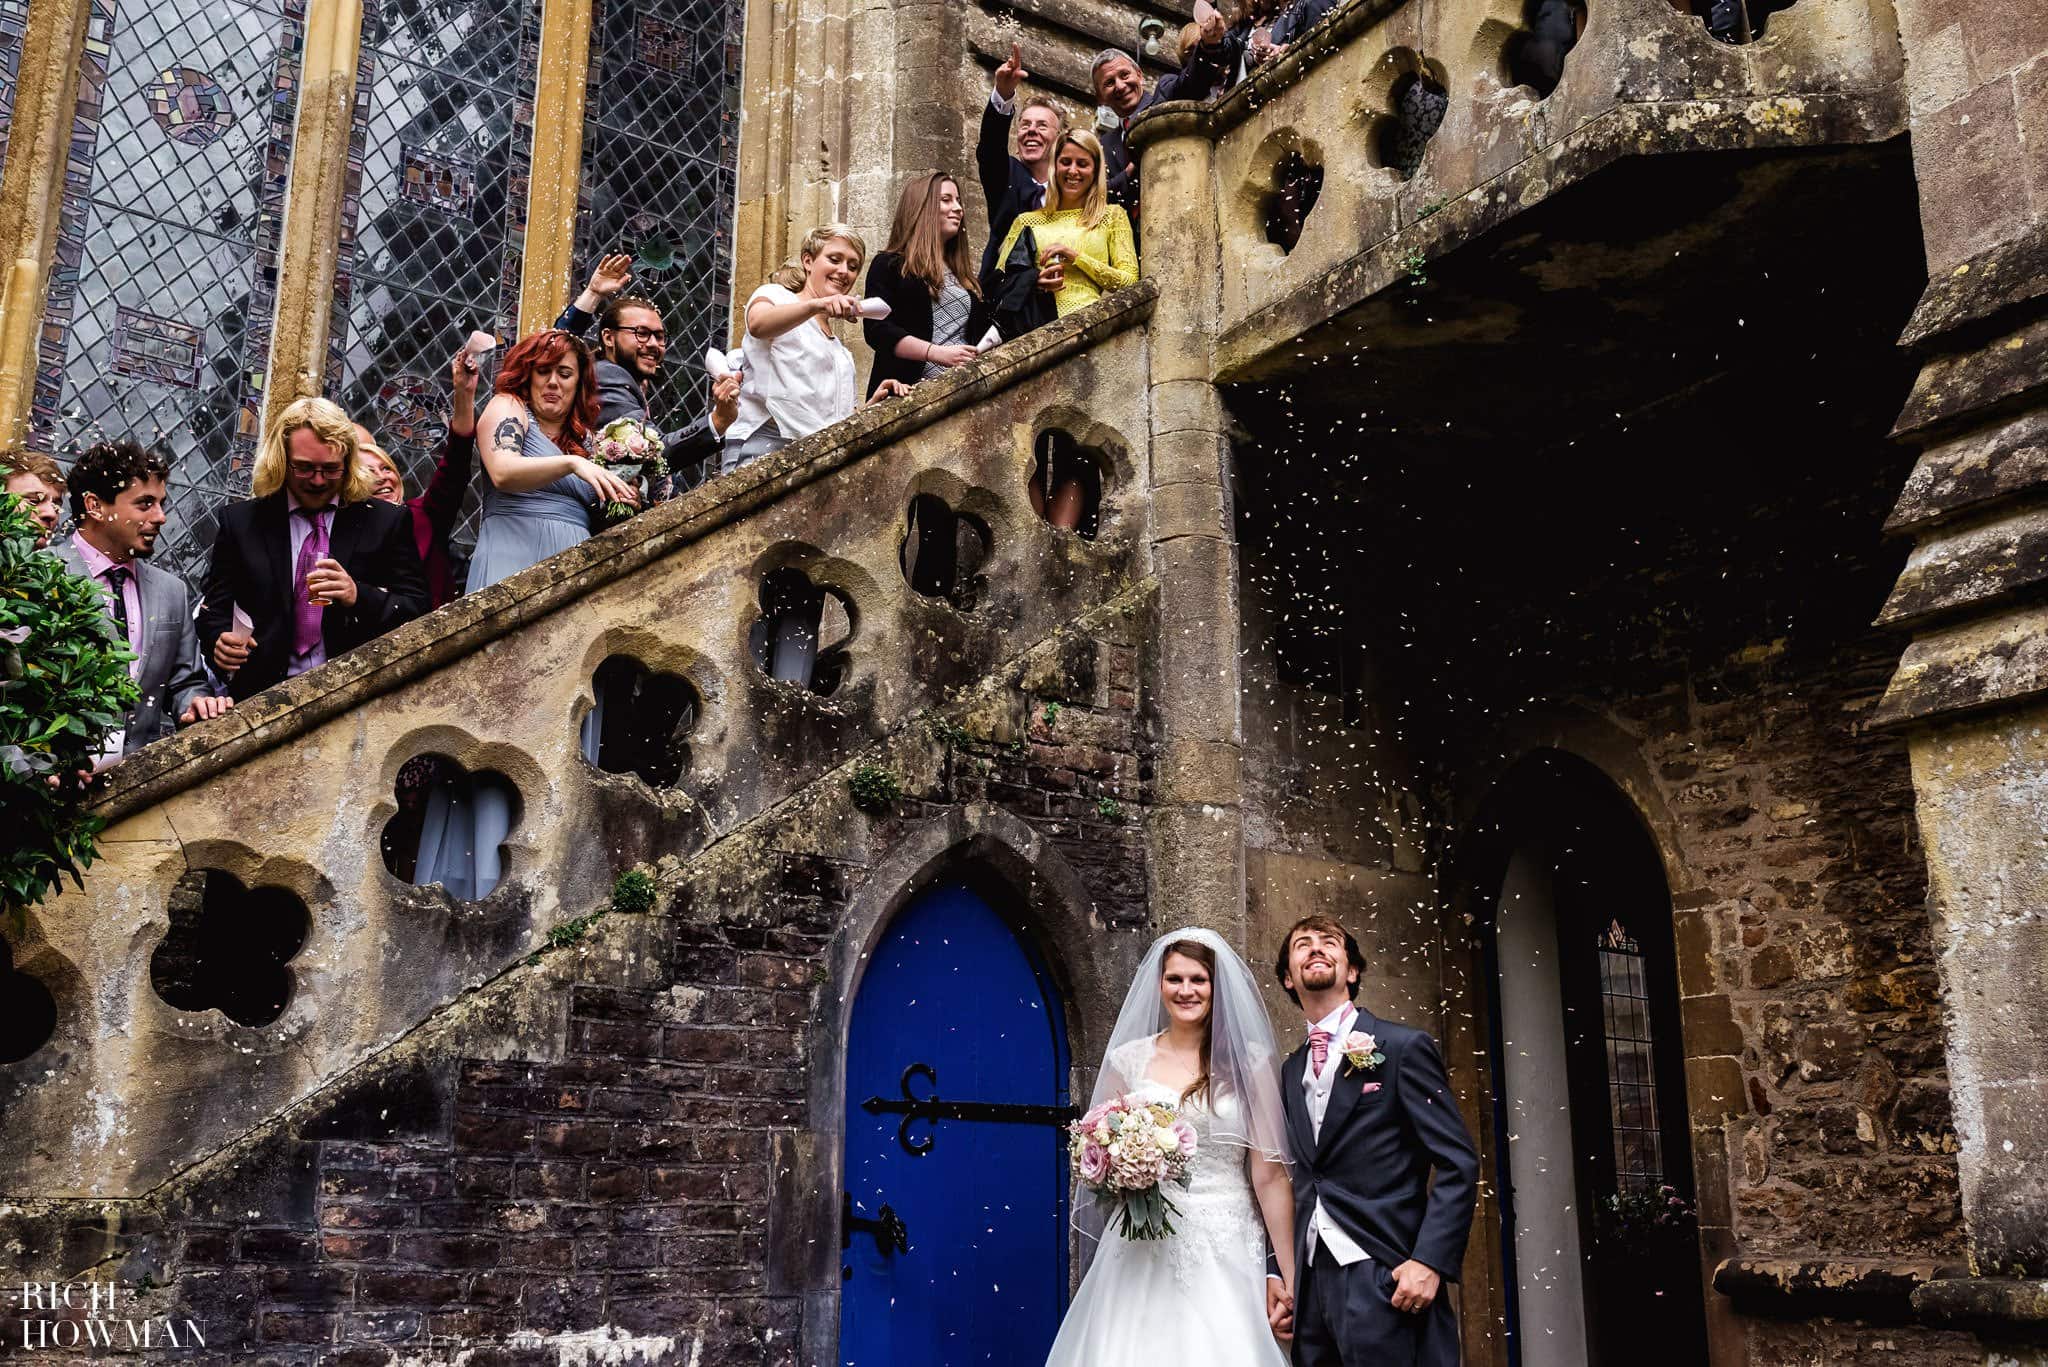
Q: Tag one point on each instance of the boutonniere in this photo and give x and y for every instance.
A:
(1362, 1050)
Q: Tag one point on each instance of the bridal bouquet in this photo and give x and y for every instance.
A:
(629, 441)
(1125, 1151)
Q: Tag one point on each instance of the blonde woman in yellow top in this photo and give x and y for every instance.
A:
(1085, 247)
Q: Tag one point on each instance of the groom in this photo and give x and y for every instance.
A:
(1370, 1117)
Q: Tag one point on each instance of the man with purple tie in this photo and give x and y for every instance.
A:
(117, 495)
(315, 563)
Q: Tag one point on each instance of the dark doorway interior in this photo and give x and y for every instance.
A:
(1586, 1054)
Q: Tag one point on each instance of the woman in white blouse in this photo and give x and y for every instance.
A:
(799, 376)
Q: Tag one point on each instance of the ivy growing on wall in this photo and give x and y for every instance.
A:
(64, 687)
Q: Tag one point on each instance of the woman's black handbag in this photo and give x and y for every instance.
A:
(1016, 304)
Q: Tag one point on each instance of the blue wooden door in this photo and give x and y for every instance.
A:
(954, 1006)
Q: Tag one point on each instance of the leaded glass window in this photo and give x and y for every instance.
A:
(164, 272)
(431, 236)
(660, 144)
(1631, 1061)
(161, 296)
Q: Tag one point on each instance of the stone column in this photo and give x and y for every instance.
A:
(45, 104)
(310, 241)
(817, 127)
(1972, 689)
(1196, 827)
(557, 174)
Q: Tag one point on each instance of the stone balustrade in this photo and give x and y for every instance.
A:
(290, 795)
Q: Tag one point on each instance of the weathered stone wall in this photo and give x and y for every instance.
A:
(1335, 820)
(1979, 100)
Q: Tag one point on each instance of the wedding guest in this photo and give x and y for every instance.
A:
(632, 345)
(318, 565)
(1085, 243)
(1121, 96)
(926, 276)
(35, 479)
(1536, 55)
(543, 488)
(1250, 36)
(434, 512)
(1012, 184)
(799, 375)
(118, 498)
(1296, 18)
(1737, 21)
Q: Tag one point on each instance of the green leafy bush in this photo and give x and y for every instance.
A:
(633, 892)
(64, 687)
(875, 789)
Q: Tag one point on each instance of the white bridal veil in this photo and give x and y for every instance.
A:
(1244, 1065)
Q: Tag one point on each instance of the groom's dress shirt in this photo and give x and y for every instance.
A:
(1316, 1089)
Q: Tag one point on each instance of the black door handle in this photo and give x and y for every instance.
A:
(891, 1235)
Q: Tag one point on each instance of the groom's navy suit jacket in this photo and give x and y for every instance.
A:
(1372, 1165)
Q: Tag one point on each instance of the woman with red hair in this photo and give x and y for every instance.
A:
(535, 433)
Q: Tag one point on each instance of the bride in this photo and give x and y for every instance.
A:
(1193, 1033)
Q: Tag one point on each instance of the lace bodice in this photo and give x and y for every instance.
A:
(1219, 1217)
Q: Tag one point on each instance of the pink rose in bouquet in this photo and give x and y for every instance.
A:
(1125, 1152)
(629, 442)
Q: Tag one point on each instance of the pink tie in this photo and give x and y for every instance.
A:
(1319, 1048)
(305, 616)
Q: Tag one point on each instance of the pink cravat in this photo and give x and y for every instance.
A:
(1318, 1048)
(305, 616)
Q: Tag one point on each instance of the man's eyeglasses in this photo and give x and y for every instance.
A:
(307, 470)
(646, 335)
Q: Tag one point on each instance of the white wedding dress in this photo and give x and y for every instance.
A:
(1196, 1298)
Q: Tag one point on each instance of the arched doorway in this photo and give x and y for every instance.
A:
(1588, 1071)
(954, 1224)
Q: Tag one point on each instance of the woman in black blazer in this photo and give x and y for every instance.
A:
(936, 313)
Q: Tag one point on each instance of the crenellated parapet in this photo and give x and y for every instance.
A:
(1395, 192)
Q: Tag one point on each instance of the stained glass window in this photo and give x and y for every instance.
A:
(162, 291)
(163, 283)
(1631, 1062)
(660, 144)
(432, 235)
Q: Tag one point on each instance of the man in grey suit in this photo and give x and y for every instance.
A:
(117, 496)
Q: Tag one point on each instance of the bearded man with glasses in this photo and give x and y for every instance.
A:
(632, 344)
